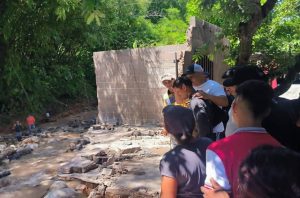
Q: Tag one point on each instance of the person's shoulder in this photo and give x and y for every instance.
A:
(225, 142)
(172, 155)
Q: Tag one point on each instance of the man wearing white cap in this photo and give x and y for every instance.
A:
(168, 98)
(207, 89)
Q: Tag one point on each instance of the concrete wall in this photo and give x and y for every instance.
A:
(200, 33)
(128, 83)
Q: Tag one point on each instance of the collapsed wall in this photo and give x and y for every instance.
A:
(129, 89)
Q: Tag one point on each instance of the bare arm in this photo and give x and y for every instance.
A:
(218, 100)
(168, 187)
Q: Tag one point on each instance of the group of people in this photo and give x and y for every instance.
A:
(258, 157)
(30, 120)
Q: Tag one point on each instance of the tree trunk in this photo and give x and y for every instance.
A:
(2, 43)
(248, 29)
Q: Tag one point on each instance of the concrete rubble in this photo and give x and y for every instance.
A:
(103, 161)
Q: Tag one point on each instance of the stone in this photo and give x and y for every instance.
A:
(118, 167)
(31, 140)
(62, 193)
(20, 152)
(32, 146)
(72, 146)
(2, 147)
(78, 165)
(7, 152)
(100, 159)
(46, 182)
(81, 188)
(4, 173)
(58, 185)
(107, 172)
(99, 192)
(5, 182)
(97, 127)
(136, 133)
(129, 150)
(52, 140)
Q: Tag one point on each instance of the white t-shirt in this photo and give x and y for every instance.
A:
(230, 126)
(213, 88)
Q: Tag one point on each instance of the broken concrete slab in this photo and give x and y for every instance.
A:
(78, 165)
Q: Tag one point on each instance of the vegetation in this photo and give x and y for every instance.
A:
(46, 46)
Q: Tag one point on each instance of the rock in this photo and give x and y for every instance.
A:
(4, 173)
(32, 146)
(136, 133)
(128, 150)
(107, 172)
(129, 129)
(52, 140)
(2, 147)
(84, 141)
(81, 188)
(98, 192)
(5, 162)
(51, 129)
(46, 183)
(151, 133)
(97, 127)
(100, 159)
(58, 185)
(7, 152)
(127, 143)
(72, 146)
(31, 140)
(20, 152)
(62, 193)
(74, 123)
(78, 165)
(118, 167)
(78, 147)
(4, 182)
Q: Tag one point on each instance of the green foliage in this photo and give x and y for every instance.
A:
(48, 45)
(277, 39)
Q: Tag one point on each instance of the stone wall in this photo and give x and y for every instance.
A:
(129, 89)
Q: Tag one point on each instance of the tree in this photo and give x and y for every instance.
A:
(47, 59)
(257, 26)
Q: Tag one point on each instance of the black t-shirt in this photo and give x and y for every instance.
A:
(281, 123)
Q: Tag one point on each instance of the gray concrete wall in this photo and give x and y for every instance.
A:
(128, 83)
(200, 33)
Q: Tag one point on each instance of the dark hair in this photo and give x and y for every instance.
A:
(270, 172)
(258, 95)
(182, 80)
(180, 122)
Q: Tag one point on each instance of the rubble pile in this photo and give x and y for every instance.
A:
(108, 160)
